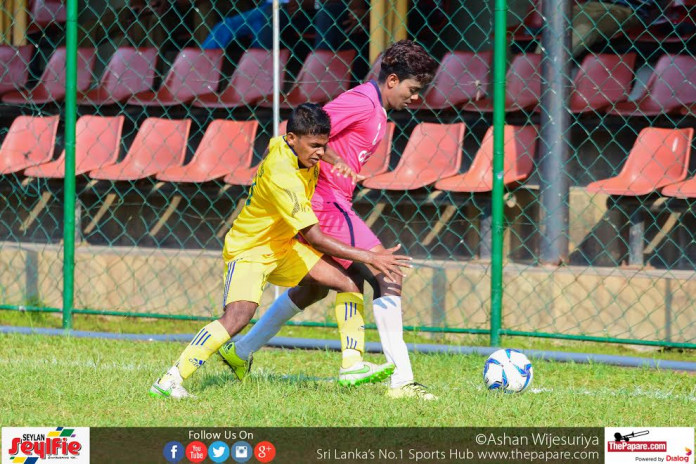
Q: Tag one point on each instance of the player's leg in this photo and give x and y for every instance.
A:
(389, 320)
(284, 308)
(349, 311)
(334, 223)
(243, 285)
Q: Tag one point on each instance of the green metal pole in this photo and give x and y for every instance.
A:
(69, 200)
(499, 70)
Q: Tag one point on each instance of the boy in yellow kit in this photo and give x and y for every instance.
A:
(262, 247)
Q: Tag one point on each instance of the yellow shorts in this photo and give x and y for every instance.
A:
(247, 274)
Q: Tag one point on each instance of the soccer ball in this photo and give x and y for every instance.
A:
(508, 370)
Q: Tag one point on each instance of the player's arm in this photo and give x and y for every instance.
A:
(291, 202)
(340, 166)
(385, 261)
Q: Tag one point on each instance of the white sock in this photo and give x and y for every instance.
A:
(389, 322)
(281, 311)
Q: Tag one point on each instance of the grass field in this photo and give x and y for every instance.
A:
(104, 383)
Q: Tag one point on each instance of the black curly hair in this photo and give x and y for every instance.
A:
(407, 60)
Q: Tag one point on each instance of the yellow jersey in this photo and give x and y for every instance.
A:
(278, 205)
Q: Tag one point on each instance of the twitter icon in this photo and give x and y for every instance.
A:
(218, 451)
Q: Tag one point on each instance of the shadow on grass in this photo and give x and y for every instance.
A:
(229, 380)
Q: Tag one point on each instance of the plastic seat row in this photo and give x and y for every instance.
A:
(159, 149)
(226, 151)
(658, 158)
(602, 83)
(193, 78)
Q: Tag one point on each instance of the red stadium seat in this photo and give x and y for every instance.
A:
(520, 146)
(433, 152)
(602, 81)
(226, 146)
(15, 67)
(323, 77)
(251, 82)
(51, 85)
(523, 86)
(98, 141)
(29, 142)
(461, 77)
(194, 72)
(671, 86)
(659, 157)
(130, 70)
(378, 163)
(46, 12)
(159, 144)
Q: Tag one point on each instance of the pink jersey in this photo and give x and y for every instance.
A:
(358, 124)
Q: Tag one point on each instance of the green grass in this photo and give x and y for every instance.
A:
(163, 326)
(92, 382)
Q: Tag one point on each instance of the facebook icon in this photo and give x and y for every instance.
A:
(173, 451)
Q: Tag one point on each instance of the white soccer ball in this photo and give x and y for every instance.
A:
(508, 370)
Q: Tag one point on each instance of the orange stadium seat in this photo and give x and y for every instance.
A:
(659, 157)
(15, 67)
(520, 146)
(226, 146)
(433, 152)
(602, 81)
(251, 82)
(523, 86)
(98, 141)
(671, 86)
(324, 75)
(51, 85)
(129, 71)
(378, 163)
(29, 142)
(461, 77)
(194, 72)
(685, 189)
(158, 145)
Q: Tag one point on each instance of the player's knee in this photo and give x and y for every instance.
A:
(305, 296)
(347, 285)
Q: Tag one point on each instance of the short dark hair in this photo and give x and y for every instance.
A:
(407, 60)
(309, 119)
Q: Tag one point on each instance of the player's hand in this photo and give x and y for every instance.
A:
(389, 264)
(341, 168)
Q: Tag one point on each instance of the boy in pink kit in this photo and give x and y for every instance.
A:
(358, 124)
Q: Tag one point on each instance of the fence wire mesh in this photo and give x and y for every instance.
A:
(174, 113)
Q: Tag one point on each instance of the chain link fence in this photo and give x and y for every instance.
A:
(591, 238)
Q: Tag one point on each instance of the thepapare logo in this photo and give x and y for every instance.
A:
(32, 445)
